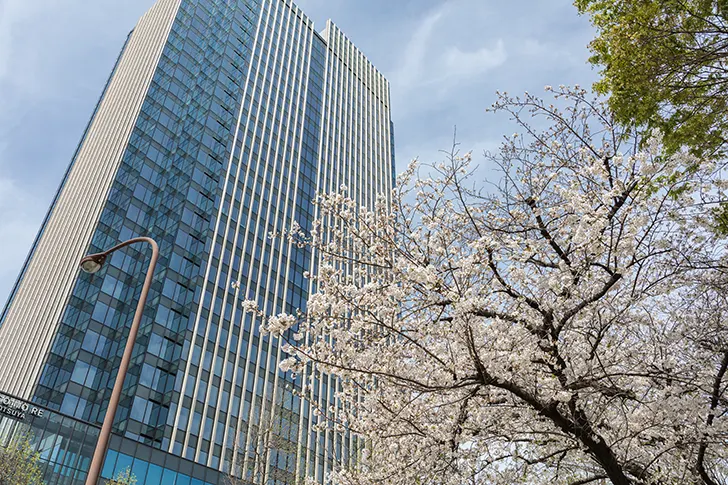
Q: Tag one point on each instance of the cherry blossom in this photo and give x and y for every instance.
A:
(564, 323)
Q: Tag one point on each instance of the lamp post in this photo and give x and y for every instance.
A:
(91, 264)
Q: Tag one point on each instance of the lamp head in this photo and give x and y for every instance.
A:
(93, 263)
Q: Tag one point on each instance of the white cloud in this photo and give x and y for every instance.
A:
(19, 58)
(436, 63)
(11, 12)
(549, 52)
(465, 64)
(416, 50)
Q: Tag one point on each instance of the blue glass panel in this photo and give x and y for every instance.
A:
(122, 463)
(154, 475)
(182, 479)
(109, 464)
(139, 470)
(169, 477)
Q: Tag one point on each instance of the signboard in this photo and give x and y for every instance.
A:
(17, 408)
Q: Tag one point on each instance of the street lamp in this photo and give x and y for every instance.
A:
(91, 264)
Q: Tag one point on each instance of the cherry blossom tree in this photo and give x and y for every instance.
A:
(565, 324)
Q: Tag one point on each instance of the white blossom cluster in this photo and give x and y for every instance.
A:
(567, 326)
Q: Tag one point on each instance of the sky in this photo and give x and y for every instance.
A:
(445, 60)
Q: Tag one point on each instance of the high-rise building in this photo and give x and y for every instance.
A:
(220, 122)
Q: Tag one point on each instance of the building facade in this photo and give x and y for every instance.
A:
(65, 446)
(219, 124)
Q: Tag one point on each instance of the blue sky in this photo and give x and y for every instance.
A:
(444, 59)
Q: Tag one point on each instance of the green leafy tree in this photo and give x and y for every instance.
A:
(19, 462)
(664, 66)
(124, 477)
